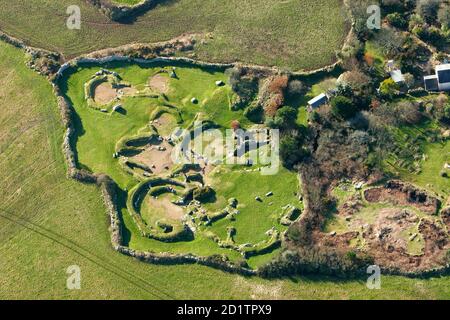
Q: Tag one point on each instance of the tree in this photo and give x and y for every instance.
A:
(243, 84)
(285, 118)
(342, 107)
(295, 88)
(291, 150)
(235, 124)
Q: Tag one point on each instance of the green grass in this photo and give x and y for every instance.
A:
(51, 223)
(429, 177)
(255, 218)
(127, 2)
(436, 155)
(295, 34)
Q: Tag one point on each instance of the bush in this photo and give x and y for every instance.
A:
(397, 20)
(342, 107)
(415, 21)
(285, 118)
(243, 84)
(428, 10)
(291, 150)
(254, 112)
(295, 88)
(389, 88)
(444, 16)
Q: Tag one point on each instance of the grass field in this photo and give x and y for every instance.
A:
(282, 33)
(48, 223)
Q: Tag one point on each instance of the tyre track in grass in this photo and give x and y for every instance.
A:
(101, 262)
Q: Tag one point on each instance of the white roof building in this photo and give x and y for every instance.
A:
(440, 81)
(397, 76)
(318, 101)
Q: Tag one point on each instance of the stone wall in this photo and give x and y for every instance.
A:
(119, 12)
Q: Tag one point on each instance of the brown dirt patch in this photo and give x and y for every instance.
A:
(128, 91)
(401, 194)
(172, 211)
(159, 83)
(104, 93)
(159, 161)
(446, 218)
(165, 124)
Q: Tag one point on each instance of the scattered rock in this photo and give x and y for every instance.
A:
(258, 199)
(269, 194)
(194, 100)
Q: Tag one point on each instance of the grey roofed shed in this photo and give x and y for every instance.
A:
(431, 83)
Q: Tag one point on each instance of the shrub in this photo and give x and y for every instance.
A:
(235, 124)
(415, 21)
(428, 9)
(278, 84)
(285, 118)
(408, 113)
(295, 88)
(432, 35)
(397, 20)
(389, 88)
(444, 16)
(342, 107)
(254, 112)
(242, 83)
(291, 150)
(409, 80)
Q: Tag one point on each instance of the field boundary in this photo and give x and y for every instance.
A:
(118, 12)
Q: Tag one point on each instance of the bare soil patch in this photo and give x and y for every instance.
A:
(165, 124)
(157, 157)
(398, 193)
(104, 93)
(172, 211)
(159, 83)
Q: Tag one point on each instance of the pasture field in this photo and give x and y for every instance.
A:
(44, 214)
(280, 33)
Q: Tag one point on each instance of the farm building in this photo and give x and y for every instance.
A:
(439, 81)
(316, 102)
